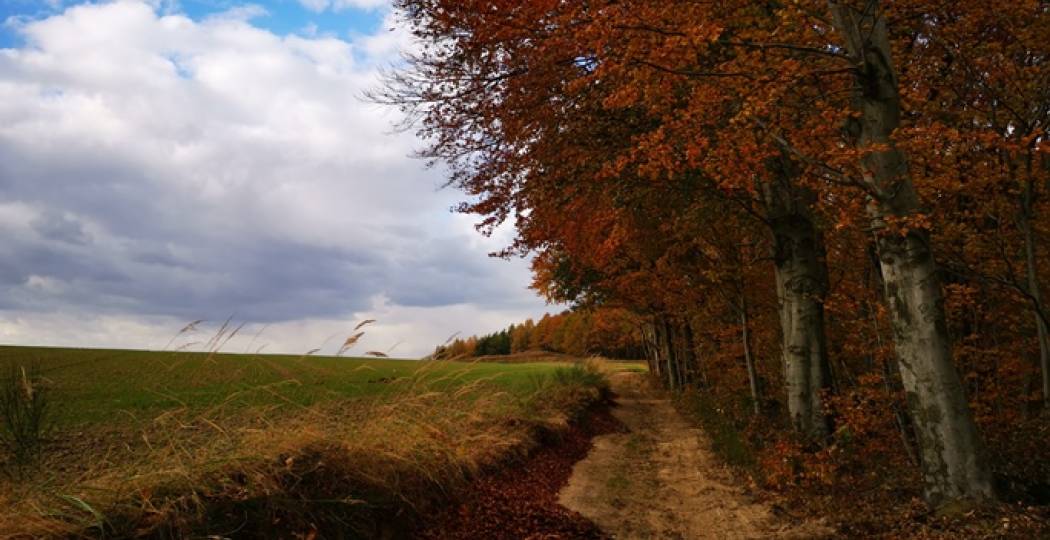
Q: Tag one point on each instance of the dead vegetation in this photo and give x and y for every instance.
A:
(366, 467)
(24, 418)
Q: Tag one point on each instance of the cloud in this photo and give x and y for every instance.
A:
(399, 331)
(359, 4)
(339, 5)
(156, 168)
(245, 12)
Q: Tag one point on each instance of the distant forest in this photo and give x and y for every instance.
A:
(612, 333)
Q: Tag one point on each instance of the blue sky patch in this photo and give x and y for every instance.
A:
(283, 17)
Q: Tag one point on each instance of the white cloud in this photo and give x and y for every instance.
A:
(338, 5)
(359, 4)
(156, 169)
(389, 41)
(399, 331)
(245, 12)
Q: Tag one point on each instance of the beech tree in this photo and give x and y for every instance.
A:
(716, 166)
(953, 461)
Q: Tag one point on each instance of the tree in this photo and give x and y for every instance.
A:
(651, 155)
(952, 453)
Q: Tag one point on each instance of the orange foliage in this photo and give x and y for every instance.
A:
(608, 332)
(630, 143)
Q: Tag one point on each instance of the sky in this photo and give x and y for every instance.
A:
(166, 161)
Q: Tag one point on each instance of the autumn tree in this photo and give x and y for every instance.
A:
(654, 155)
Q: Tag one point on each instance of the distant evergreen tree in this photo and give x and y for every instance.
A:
(502, 344)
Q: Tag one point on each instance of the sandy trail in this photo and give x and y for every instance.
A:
(661, 480)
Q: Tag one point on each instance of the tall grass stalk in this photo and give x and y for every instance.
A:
(24, 408)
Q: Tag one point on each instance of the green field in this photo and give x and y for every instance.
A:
(140, 440)
(96, 386)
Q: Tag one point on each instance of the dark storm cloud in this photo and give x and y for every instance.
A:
(258, 278)
(56, 226)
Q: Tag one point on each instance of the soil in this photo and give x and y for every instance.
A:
(660, 479)
(521, 502)
(637, 471)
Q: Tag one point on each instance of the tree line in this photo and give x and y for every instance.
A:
(834, 209)
(606, 332)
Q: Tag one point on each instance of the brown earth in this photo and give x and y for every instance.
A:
(661, 479)
(521, 501)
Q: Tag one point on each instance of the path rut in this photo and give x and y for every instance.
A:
(660, 479)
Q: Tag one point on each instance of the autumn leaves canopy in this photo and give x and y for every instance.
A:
(795, 184)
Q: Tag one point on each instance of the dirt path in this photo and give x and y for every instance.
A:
(661, 480)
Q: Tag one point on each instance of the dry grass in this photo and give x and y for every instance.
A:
(368, 467)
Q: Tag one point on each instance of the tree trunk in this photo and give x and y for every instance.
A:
(953, 461)
(698, 354)
(749, 362)
(676, 353)
(1027, 214)
(688, 353)
(663, 344)
(801, 277)
(672, 357)
(652, 346)
(801, 286)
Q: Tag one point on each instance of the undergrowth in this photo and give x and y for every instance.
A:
(860, 481)
(728, 436)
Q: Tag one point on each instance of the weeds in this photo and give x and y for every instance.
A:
(24, 414)
(728, 440)
(584, 374)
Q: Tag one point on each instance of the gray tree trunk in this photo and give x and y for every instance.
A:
(801, 286)
(953, 462)
(649, 341)
(656, 358)
(749, 361)
(801, 279)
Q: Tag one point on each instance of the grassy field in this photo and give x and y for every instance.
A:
(174, 443)
(121, 387)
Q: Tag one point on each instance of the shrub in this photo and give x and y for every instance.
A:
(586, 374)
